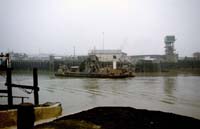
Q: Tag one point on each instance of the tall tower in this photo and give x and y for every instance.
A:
(170, 54)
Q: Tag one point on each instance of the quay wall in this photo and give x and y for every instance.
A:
(41, 65)
(181, 65)
(142, 66)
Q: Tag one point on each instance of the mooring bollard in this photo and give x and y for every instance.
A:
(25, 116)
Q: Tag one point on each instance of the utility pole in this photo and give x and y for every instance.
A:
(74, 51)
(103, 39)
(103, 46)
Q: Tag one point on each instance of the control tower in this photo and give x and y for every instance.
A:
(170, 54)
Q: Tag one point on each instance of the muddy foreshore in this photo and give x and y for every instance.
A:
(122, 118)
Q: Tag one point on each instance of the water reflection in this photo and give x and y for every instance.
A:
(92, 87)
(91, 84)
(169, 88)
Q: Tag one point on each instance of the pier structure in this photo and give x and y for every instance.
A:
(11, 85)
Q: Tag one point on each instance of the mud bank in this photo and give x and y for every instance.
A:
(122, 118)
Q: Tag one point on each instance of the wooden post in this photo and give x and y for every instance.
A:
(51, 64)
(35, 85)
(9, 81)
(25, 116)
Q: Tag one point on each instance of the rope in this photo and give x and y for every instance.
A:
(26, 91)
(23, 89)
(18, 81)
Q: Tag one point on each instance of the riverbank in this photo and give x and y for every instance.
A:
(122, 118)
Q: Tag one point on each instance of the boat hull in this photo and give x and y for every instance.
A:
(93, 75)
(46, 111)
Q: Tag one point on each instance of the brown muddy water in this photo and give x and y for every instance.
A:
(178, 93)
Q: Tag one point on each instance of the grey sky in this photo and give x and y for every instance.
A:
(136, 26)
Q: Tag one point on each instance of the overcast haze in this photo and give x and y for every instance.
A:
(135, 26)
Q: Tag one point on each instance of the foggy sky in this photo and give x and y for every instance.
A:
(135, 26)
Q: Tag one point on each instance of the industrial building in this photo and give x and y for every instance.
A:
(196, 55)
(153, 58)
(170, 55)
(109, 55)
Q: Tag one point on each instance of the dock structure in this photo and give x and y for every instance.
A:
(10, 85)
(6, 67)
(25, 114)
(25, 111)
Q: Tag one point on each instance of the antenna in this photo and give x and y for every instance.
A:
(103, 39)
(74, 51)
(124, 43)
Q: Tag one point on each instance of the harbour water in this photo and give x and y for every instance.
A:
(178, 94)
